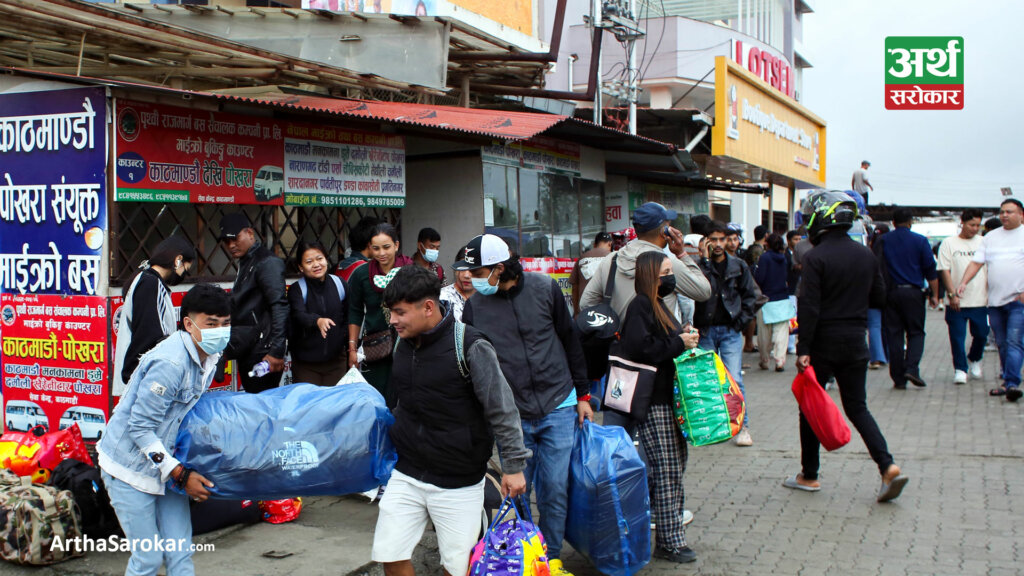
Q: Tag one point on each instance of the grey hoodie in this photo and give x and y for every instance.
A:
(690, 281)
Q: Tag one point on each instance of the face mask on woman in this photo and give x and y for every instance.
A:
(666, 285)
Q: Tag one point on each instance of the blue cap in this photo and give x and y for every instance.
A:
(650, 215)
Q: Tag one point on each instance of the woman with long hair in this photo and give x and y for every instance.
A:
(368, 324)
(651, 335)
(147, 316)
(772, 276)
(876, 336)
(319, 319)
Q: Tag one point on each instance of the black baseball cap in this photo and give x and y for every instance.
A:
(232, 224)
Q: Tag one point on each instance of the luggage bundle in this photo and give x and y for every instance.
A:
(609, 518)
(513, 547)
(708, 403)
(299, 440)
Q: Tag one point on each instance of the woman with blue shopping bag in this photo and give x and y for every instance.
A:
(772, 275)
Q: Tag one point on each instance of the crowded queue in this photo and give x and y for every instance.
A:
(486, 351)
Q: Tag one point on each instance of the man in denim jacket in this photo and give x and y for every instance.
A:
(135, 454)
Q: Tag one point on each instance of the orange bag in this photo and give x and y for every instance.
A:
(821, 412)
(37, 452)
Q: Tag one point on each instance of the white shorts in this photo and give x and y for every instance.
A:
(408, 504)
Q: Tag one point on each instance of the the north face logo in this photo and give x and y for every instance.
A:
(297, 455)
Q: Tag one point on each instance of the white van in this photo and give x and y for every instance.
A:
(91, 421)
(268, 183)
(22, 415)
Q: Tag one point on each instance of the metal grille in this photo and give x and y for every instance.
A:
(140, 226)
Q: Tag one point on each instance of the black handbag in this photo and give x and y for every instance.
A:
(598, 326)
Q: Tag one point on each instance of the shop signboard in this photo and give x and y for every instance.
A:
(760, 126)
(169, 154)
(55, 362)
(326, 166)
(540, 154)
(53, 214)
(514, 14)
(559, 269)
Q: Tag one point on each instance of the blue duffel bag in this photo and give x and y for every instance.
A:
(609, 518)
(299, 440)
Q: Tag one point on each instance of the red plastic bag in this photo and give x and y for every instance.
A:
(281, 511)
(25, 451)
(821, 412)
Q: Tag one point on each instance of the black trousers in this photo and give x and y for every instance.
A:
(904, 322)
(844, 356)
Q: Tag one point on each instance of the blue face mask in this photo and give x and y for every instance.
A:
(430, 255)
(215, 340)
(483, 285)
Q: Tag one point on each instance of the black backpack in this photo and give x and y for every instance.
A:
(599, 327)
(98, 519)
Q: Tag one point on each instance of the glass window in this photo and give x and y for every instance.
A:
(592, 218)
(501, 204)
(565, 215)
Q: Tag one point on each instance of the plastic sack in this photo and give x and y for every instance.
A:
(299, 440)
(281, 511)
(514, 547)
(821, 412)
(353, 376)
(609, 518)
(37, 453)
(708, 403)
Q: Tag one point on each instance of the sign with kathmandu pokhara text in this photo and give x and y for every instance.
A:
(53, 216)
(172, 154)
(55, 362)
(325, 166)
(924, 73)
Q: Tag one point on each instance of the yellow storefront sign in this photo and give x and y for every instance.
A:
(760, 126)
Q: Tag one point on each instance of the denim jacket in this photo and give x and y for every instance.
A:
(165, 386)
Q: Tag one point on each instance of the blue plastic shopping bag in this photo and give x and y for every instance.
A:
(299, 440)
(609, 518)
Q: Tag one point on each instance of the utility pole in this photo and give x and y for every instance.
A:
(596, 9)
(633, 72)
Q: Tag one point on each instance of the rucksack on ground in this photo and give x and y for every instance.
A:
(32, 516)
(96, 515)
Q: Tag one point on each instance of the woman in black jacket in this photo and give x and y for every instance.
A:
(772, 275)
(651, 335)
(319, 316)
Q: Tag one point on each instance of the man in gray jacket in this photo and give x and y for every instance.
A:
(652, 223)
(525, 316)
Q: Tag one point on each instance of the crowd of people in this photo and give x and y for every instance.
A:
(486, 351)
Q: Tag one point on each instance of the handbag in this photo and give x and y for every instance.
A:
(778, 311)
(514, 547)
(378, 345)
(598, 326)
(820, 411)
(629, 386)
(709, 406)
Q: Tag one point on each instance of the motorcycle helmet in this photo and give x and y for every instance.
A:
(827, 210)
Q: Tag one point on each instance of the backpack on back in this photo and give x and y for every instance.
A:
(97, 516)
(32, 517)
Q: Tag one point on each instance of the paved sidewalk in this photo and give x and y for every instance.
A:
(955, 517)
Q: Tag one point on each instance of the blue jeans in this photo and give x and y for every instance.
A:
(1007, 323)
(958, 322)
(551, 438)
(876, 346)
(147, 517)
(728, 343)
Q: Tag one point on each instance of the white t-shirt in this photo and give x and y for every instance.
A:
(955, 254)
(859, 179)
(1003, 251)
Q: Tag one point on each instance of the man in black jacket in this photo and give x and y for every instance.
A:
(451, 396)
(840, 280)
(259, 307)
(721, 318)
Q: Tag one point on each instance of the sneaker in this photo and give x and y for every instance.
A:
(687, 517)
(556, 569)
(975, 370)
(678, 555)
(959, 377)
(743, 438)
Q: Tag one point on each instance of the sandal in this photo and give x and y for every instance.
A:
(1001, 391)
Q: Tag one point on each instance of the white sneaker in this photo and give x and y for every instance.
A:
(687, 517)
(959, 377)
(743, 438)
(975, 370)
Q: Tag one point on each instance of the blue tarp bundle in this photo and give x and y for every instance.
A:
(300, 440)
(609, 508)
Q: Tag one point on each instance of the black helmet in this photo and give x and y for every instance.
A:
(826, 210)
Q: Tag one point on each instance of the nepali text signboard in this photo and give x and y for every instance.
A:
(173, 154)
(53, 215)
(540, 154)
(762, 127)
(55, 362)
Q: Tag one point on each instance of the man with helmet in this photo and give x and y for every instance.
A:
(841, 279)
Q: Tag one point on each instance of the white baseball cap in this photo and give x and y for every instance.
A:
(484, 250)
